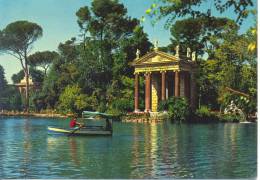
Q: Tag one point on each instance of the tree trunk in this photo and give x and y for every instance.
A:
(26, 74)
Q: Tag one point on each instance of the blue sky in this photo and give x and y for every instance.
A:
(59, 23)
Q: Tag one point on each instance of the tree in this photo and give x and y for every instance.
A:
(16, 39)
(72, 100)
(3, 87)
(3, 82)
(195, 33)
(16, 78)
(97, 61)
(230, 64)
(42, 59)
(107, 25)
(111, 45)
(37, 76)
(173, 9)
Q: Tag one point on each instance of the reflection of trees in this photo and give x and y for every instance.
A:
(168, 151)
(135, 147)
(25, 169)
(73, 151)
(180, 150)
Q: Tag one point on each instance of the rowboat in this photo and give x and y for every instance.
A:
(89, 130)
(86, 131)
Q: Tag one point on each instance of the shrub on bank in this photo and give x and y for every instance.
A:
(203, 114)
(229, 118)
(177, 107)
(121, 107)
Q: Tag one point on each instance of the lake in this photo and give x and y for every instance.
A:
(135, 150)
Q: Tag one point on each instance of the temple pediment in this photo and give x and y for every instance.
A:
(155, 57)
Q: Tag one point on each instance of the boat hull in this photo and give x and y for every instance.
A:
(82, 132)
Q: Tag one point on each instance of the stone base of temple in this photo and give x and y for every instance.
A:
(137, 111)
(145, 117)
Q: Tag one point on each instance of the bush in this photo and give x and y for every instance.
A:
(178, 109)
(229, 118)
(204, 115)
(121, 106)
(203, 111)
(163, 105)
(72, 100)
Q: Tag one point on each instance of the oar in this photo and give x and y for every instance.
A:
(72, 132)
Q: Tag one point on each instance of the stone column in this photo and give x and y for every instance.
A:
(187, 85)
(193, 92)
(136, 92)
(148, 92)
(177, 84)
(163, 86)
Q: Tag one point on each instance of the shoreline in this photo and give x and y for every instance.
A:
(33, 114)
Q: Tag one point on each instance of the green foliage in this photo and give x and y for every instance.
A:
(229, 118)
(16, 78)
(121, 106)
(3, 82)
(196, 33)
(14, 99)
(204, 115)
(173, 9)
(38, 100)
(203, 111)
(19, 36)
(246, 104)
(229, 65)
(97, 63)
(37, 76)
(163, 105)
(177, 107)
(42, 59)
(10, 98)
(17, 39)
(3, 89)
(72, 100)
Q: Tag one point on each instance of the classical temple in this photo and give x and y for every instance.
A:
(22, 85)
(166, 75)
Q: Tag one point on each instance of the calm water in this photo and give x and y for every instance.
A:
(135, 151)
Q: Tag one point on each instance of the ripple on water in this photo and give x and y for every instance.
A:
(134, 151)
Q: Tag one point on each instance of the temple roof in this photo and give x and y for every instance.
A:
(160, 58)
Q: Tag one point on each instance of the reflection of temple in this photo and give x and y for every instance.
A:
(166, 75)
(22, 85)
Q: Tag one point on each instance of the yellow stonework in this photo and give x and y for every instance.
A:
(157, 59)
(155, 63)
(154, 96)
(150, 69)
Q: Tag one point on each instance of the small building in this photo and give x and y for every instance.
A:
(22, 85)
(166, 75)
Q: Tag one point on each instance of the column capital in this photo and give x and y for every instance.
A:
(163, 71)
(136, 73)
(148, 73)
(176, 70)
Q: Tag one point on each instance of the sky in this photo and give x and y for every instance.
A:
(59, 23)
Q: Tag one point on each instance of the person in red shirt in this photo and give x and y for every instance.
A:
(74, 123)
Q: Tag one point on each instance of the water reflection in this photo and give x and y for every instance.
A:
(73, 151)
(135, 151)
(26, 129)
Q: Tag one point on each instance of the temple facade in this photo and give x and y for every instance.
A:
(22, 85)
(165, 75)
